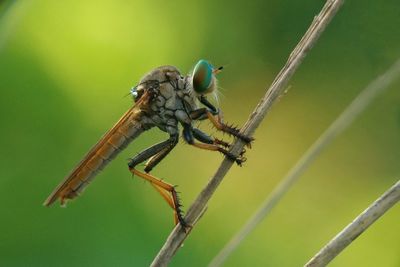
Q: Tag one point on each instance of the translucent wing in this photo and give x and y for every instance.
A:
(114, 141)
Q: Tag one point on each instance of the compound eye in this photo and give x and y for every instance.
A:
(202, 78)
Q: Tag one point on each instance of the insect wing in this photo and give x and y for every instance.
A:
(116, 139)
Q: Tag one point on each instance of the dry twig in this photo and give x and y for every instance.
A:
(277, 87)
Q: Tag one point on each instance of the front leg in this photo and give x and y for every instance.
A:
(204, 113)
(205, 138)
(201, 113)
(207, 103)
(208, 144)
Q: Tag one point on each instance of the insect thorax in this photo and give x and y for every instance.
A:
(171, 98)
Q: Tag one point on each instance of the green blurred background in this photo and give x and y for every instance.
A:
(65, 67)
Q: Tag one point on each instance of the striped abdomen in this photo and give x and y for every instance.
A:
(116, 139)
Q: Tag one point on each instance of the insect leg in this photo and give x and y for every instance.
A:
(189, 138)
(199, 114)
(204, 113)
(206, 103)
(205, 138)
(149, 152)
(168, 199)
(220, 125)
(154, 160)
(156, 153)
(167, 187)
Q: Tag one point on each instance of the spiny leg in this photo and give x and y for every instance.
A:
(212, 111)
(166, 186)
(167, 197)
(188, 135)
(220, 125)
(151, 163)
(204, 113)
(156, 153)
(205, 138)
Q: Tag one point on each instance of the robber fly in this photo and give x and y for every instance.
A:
(163, 98)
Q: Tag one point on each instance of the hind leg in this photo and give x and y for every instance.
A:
(155, 154)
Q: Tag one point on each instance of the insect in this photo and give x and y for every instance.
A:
(165, 99)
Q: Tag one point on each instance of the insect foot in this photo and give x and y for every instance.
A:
(246, 139)
(186, 226)
(243, 152)
(239, 160)
(227, 146)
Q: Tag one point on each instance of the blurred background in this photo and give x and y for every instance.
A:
(65, 67)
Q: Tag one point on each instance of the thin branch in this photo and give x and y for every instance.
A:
(319, 24)
(359, 104)
(356, 227)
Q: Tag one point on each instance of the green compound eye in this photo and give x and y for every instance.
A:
(203, 77)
